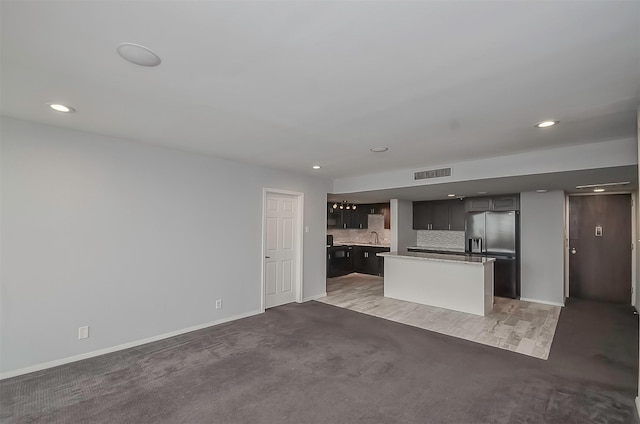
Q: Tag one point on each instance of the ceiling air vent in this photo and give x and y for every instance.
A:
(432, 173)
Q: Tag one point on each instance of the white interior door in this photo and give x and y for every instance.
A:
(280, 262)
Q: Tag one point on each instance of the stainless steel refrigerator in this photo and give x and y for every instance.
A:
(496, 235)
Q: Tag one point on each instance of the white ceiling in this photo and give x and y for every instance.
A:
(292, 84)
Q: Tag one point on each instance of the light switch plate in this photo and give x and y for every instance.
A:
(83, 332)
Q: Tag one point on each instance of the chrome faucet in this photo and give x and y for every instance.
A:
(375, 239)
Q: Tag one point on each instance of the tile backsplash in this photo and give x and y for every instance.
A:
(376, 223)
(441, 239)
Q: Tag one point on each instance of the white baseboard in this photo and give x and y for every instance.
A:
(75, 358)
(544, 302)
(317, 296)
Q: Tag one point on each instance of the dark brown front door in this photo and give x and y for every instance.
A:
(600, 247)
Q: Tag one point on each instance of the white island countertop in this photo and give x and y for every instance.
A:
(433, 249)
(459, 282)
(442, 257)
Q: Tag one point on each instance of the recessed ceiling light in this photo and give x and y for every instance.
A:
(598, 190)
(451, 195)
(541, 191)
(140, 55)
(379, 149)
(482, 192)
(61, 108)
(546, 124)
(316, 166)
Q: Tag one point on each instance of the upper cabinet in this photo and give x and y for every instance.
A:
(383, 209)
(497, 203)
(438, 215)
(346, 218)
(360, 217)
(357, 218)
(506, 203)
(456, 215)
(334, 217)
(477, 204)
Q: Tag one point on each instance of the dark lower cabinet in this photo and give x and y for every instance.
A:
(342, 260)
(365, 260)
(362, 262)
(339, 261)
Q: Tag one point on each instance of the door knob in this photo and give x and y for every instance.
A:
(573, 250)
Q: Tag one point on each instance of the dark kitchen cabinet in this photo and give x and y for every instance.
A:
(438, 215)
(360, 259)
(477, 204)
(506, 203)
(360, 217)
(347, 218)
(357, 218)
(378, 260)
(440, 219)
(339, 261)
(365, 260)
(372, 209)
(334, 217)
(509, 202)
(422, 215)
(387, 217)
(456, 215)
(383, 209)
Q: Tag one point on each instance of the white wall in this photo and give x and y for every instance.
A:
(131, 239)
(542, 222)
(402, 232)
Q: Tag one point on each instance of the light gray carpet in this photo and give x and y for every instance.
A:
(316, 363)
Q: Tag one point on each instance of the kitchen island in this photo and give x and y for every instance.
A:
(459, 282)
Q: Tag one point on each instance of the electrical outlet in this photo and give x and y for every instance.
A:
(219, 304)
(83, 332)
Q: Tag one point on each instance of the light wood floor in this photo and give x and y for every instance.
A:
(523, 327)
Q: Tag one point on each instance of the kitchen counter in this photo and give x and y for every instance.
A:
(361, 244)
(458, 282)
(436, 249)
(442, 257)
